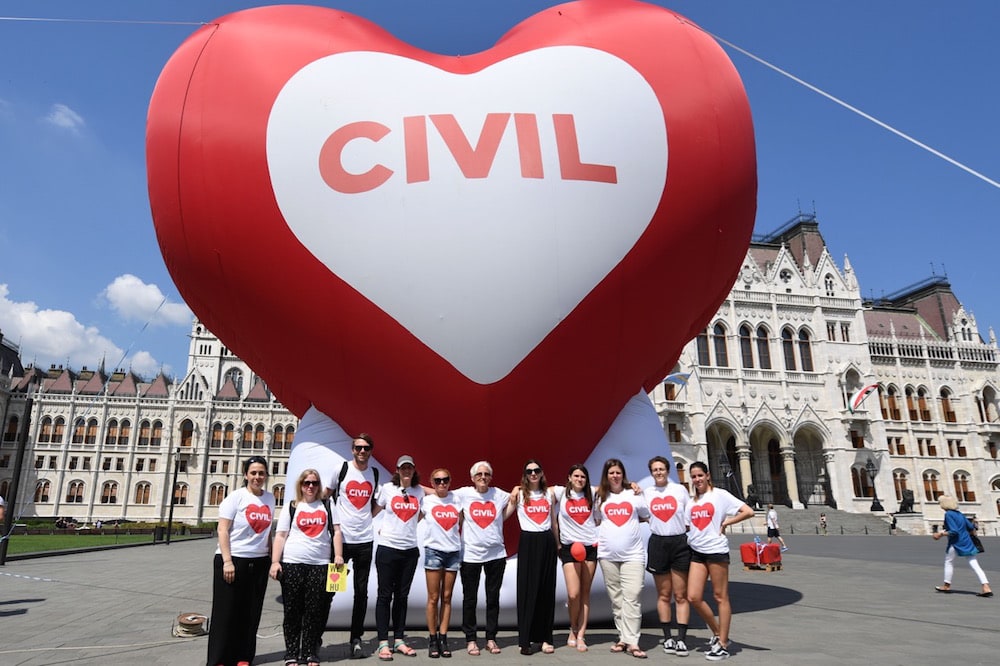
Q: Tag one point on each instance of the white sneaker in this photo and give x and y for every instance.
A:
(717, 653)
(680, 649)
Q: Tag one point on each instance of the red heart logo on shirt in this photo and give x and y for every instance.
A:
(483, 513)
(578, 509)
(618, 513)
(404, 507)
(276, 135)
(537, 509)
(701, 515)
(258, 517)
(663, 508)
(358, 493)
(312, 523)
(446, 516)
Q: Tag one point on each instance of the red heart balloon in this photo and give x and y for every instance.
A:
(482, 250)
(312, 523)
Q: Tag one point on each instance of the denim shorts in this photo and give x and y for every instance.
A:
(441, 559)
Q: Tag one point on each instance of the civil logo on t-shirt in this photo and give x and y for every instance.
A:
(578, 510)
(701, 515)
(312, 523)
(404, 506)
(483, 513)
(663, 508)
(258, 517)
(537, 509)
(358, 493)
(446, 516)
(618, 513)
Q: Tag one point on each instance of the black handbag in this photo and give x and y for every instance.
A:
(977, 543)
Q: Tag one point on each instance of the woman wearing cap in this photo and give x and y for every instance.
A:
(442, 512)
(396, 556)
(536, 560)
(241, 564)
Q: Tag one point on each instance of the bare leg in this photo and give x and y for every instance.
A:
(697, 576)
(719, 572)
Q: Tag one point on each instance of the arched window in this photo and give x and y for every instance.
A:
(10, 432)
(963, 491)
(995, 486)
(805, 351)
(947, 410)
(187, 432)
(861, 481)
(227, 436)
(180, 493)
(763, 349)
(111, 435)
(142, 492)
(156, 435)
(931, 489)
(922, 407)
(704, 358)
(91, 436)
(788, 349)
(247, 440)
(236, 375)
(109, 493)
(126, 433)
(289, 437)
(58, 430)
(682, 474)
(258, 437)
(279, 495)
(216, 493)
(899, 480)
(74, 492)
(828, 285)
(893, 400)
(45, 432)
(216, 435)
(746, 347)
(79, 428)
(911, 406)
(719, 346)
(144, 433)
(278, 440)
(42, 489)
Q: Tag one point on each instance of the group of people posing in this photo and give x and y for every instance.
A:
(577, 524)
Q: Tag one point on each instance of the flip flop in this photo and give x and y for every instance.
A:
(636, 652)
(492, 647)
(984, 594)
(618, 647)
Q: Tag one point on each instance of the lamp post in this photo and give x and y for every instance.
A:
(173, 496)
(872, 472)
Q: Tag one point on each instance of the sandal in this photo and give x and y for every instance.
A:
(402, 648)
(581, 645)
(472, 649)
(571, 640)
(943, 588)
(384, 651)
(492, 646)
(635, 652)
(443, 645)
(618, 647)
(433, 648)
(547, 648)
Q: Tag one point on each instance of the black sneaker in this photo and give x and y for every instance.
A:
(680, 649)
(356, 651)
(713, 641)
(717, 653)
(669, 646)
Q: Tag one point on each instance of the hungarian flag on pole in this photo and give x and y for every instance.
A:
(855, 402)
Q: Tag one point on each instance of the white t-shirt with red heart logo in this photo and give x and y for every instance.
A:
(667, 508)
(705, 515)
(399, 520)
(534, 511)
(482, 527)
(251, 516)
(308, 540)
(618, 536)
(441, 517)
(354, 504)
(576, 518)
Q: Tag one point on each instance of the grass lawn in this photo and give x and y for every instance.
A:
(34, 543)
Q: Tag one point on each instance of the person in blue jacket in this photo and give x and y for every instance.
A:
(959, 531)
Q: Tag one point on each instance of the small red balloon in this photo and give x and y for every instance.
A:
(578, 551)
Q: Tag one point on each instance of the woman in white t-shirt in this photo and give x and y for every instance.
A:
(308, 533)
(441, 512)
(622, 553)
(536, 560)
(396, 556)
(710, 512)
(577, 549)
(241, 564)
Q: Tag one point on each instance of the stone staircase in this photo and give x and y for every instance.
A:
(806, 521)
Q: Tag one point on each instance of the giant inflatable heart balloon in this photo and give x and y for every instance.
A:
(483, 255)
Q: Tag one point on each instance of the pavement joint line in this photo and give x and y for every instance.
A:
(23, 577)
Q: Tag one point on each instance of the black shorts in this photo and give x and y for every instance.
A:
(709, 558)
(566, 554)
(667, 553)
(772, 533)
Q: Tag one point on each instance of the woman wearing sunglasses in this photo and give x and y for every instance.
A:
(442, 514)
(536, 560)
(396, 556)
(308, 533)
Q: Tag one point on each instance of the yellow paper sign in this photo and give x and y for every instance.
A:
(336, 578)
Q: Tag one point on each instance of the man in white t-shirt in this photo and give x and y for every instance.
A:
(772, 527)
(356, 507)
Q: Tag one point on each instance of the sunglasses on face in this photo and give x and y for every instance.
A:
(362, 448)
(443, 480)
(533, 470)
(310, 483)
(483, 475)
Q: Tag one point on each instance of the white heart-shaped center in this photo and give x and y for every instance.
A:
(477, 210)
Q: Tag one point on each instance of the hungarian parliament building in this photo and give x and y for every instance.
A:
(766, 405)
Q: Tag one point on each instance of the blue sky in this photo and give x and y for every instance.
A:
(81, 274)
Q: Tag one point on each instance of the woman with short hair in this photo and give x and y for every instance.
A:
(959, 531)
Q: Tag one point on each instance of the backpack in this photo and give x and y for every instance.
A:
(343, 475)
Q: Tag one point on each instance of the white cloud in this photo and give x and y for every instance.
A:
(134, 300)
(145, 365)
(62, 116)
(53, 336)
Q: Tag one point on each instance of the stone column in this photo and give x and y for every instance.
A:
(791, 480)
